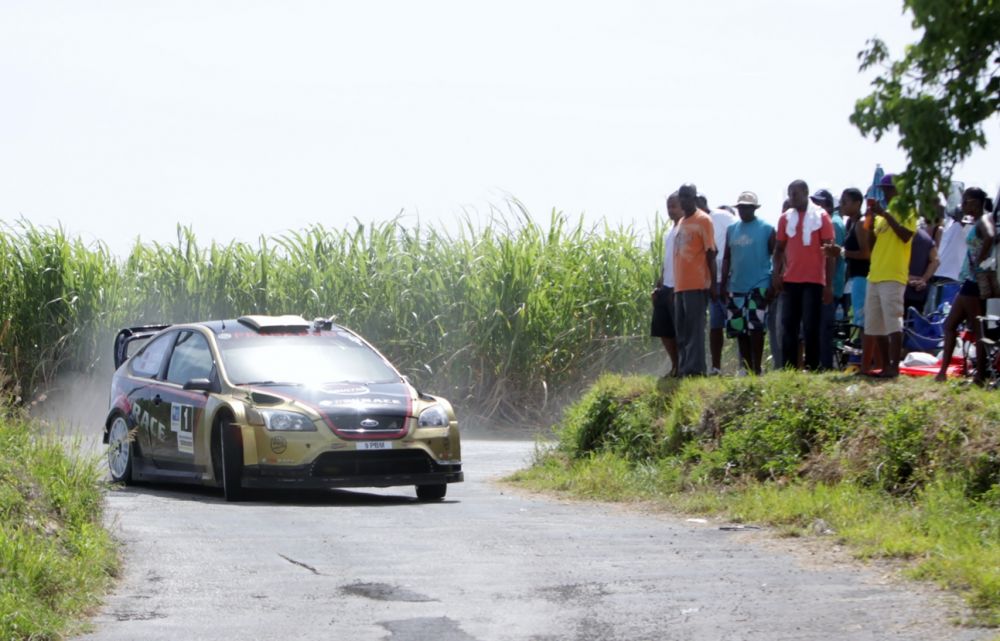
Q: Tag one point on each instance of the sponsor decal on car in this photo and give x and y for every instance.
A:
(182, 422)
(368, 400)
(152, 426)
(346, 389)
(278, 444)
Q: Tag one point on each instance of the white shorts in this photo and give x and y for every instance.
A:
(884, 308)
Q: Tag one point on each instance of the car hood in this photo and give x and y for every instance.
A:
(343, 399)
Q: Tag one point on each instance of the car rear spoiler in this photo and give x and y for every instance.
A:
(129, 334)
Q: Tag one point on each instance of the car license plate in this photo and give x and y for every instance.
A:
(374, 445)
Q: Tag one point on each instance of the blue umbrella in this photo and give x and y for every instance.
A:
(875, 191)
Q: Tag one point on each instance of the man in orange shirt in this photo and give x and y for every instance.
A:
(695, 282)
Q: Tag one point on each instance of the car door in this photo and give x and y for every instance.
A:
(145, 373)
(183, 411)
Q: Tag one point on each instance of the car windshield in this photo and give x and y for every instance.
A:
(301, 359)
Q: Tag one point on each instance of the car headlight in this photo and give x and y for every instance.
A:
(279, 421)
(433, 416)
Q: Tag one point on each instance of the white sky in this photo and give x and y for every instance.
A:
(241, 118)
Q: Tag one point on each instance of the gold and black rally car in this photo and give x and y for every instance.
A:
(273, 402)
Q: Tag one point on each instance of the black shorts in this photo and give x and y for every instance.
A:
(663, 314)
(969, 288)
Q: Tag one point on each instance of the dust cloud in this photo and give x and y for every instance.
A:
(73, 409)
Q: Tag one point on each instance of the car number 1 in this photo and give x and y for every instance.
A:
(374, 445)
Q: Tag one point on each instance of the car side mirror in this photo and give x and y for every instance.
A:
(199, 385)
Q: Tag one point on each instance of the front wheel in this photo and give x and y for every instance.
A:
(120, 451)
(232, 463)
(432, 492)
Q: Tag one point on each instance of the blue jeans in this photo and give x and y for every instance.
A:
(802, 305)
(859, 289)
(716, 314)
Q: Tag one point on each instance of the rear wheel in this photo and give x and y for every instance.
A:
(432, 492)
(232, 462)
(120, 451)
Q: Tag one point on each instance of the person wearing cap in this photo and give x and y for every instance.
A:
(889, 234)
(662, 325)
(823, 198)
(745, 286)
(803, 273)
(694, 281)
(722, 218)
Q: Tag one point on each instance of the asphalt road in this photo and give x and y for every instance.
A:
(487, 564)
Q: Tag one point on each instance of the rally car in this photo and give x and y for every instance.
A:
(273, 402)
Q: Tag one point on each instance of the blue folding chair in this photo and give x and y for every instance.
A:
(947, 293)
(923, 333)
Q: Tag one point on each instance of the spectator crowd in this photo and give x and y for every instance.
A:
(861, 260)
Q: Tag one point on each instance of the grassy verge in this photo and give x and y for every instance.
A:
(56, 559)
(906, 470)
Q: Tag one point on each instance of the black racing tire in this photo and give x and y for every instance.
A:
(232, 462)
(434, 492)
(121, 451)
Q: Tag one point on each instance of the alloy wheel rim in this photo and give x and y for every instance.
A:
(118, 447)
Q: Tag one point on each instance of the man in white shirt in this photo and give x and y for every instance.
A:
(721, 220)
(662, 325)
(950, 242)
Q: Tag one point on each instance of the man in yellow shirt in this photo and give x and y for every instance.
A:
(890, 241)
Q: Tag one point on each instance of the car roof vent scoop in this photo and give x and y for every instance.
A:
(287, 324)
(323, 323)
(265, 399)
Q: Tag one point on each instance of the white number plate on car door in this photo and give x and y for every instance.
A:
(374, 445)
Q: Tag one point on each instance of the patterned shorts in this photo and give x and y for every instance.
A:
(746, 313)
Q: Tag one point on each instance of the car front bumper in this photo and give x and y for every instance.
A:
(356, 469)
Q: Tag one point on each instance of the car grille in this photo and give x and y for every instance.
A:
(346, 464)
(361, 425)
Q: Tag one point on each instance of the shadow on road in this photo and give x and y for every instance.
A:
(289, 497)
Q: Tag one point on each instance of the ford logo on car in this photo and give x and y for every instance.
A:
(369, 422)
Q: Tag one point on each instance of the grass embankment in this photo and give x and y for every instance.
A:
(56, 558)
(904, 470)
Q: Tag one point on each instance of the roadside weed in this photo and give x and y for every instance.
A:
(56, 559)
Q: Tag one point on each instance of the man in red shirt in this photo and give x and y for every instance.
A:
(695, 282)
(803, 273)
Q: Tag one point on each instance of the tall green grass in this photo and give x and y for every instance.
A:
(496, 316)
(56, 559)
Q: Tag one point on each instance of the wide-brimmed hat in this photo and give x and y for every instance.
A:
(748, 198)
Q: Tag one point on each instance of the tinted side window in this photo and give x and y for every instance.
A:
(191, 359)
(147, 362)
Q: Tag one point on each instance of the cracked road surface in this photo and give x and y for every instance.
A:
(487, 564)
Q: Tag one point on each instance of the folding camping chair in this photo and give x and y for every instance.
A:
(846, 345)
(923, 333)
(989, 340)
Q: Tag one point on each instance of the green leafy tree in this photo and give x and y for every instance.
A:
(939, 94)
